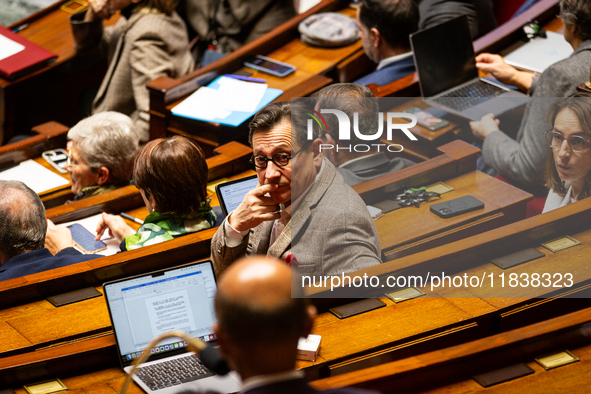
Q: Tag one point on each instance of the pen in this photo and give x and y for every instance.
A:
(244, 78)
(129, 217)
(21, 27)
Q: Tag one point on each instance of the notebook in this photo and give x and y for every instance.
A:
(448, 77)
(230, 194)
(19, 56)
(145, 306)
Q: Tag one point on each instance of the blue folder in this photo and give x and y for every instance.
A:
(236, 118)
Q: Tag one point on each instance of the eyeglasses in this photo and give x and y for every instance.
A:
(279, 159)
(555, 139)
(69, 163)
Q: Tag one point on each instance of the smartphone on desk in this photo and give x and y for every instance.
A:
(84, 240)
(269, 66)
(428, 121)
(457, 206)
(57, 158)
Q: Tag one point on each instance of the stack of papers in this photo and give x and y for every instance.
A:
(540, 53)
(34, 175)
(226, 101)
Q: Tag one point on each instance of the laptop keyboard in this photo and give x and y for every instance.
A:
(469, 95)
(173, 372)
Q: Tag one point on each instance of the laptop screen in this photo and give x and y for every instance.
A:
(444, 56)
(146, 306)
(230, 194)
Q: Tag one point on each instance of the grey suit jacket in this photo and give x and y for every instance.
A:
(521, 160)
(139, 49)
(330, 232)
(238, 21)
(371, 167)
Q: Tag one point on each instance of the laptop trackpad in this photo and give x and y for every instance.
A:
(497, 106)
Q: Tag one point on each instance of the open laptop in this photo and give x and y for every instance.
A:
(448, 77)
(230, 194)
(145, 306)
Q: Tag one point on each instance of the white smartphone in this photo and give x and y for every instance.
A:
(270, 66)
(57, 158)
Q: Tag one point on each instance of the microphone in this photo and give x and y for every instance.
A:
(209, 355)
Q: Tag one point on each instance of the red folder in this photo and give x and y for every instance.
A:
(32, 58)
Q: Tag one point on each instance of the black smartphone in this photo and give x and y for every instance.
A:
(428, 121)
(84, 240)
(270, 66)
(457, 206)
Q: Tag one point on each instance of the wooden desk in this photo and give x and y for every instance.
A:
(450, 370)
(53, 91)
(314, 67)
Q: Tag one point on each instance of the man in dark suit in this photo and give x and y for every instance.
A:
(24, 232)
(301, 211)
(355, 166)
(480, 13)
(384, 28)
(259, 324)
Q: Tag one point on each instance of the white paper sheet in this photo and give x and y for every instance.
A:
(34, 175)
(231, 96)
(540, 53)
(90, 223)
(9, 47)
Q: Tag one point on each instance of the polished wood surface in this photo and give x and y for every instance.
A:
(282, 44)
(461, 362)
(53, 91)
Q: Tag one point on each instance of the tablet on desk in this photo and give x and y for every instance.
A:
(230, 194)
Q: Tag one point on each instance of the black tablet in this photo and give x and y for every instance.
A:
(230, 194)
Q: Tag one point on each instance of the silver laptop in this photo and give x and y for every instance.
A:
(448, 77)
(145, 306)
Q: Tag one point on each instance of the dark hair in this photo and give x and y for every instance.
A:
(174, 172)
(23, 226)
(349, 98)
(277, 113)
(578, 13)
(394, 19)
(580, 105)
(246, 322)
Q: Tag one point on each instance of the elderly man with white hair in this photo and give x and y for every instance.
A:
(102, 150)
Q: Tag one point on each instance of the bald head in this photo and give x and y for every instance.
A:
(254, 303)
(23, 219)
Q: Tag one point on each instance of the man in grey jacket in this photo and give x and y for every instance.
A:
(521, 160)
(301, 211)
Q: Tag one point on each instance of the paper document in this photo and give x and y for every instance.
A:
(540, 53)
(240, 96)
(9, 47)
(34, 175)
(90, 223)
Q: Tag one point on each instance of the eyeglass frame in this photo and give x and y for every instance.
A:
(77, 165)
(267, 159)
(587, 142)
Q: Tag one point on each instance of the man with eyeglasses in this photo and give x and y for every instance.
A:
(301, 211)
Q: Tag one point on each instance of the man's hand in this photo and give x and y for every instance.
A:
(117, 227)
(97, 9)
(485, 126)
(57, 238)
(496, 66)
(255, 208)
